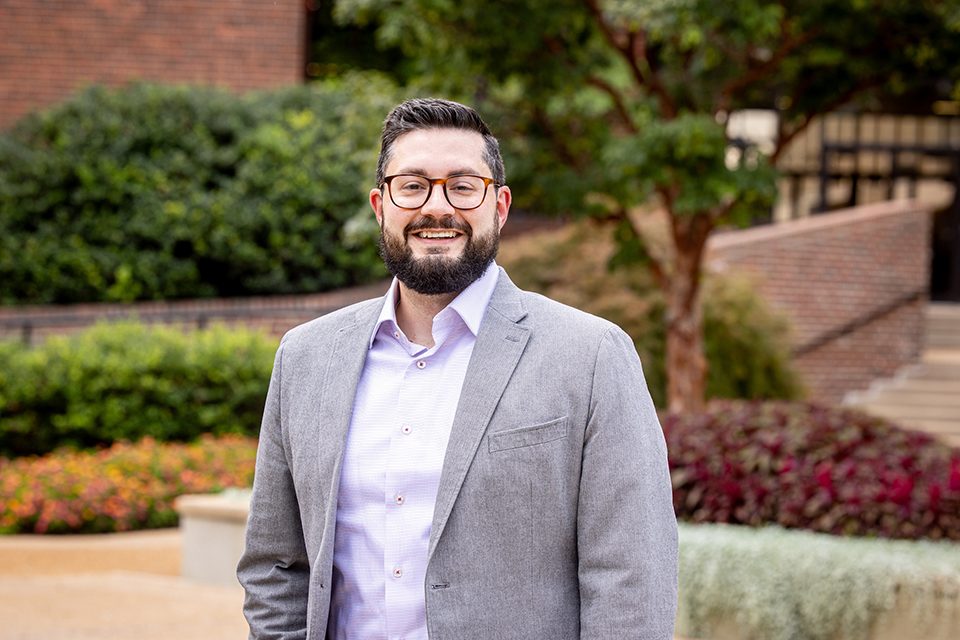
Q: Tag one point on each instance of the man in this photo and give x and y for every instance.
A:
(460, 459)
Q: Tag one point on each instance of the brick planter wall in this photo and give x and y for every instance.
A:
(274, 314)
(49, 49)
(853, 285)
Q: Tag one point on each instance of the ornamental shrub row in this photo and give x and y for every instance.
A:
(121, 488)
(126, 381)
(806, 466)
(159, 192)
(778, 584)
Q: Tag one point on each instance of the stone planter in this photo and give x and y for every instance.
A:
(212, 528)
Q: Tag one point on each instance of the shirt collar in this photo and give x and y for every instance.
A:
(470, 304)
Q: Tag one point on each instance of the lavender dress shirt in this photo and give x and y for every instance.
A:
(402, 415)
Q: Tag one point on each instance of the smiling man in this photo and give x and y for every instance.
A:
(459, 459)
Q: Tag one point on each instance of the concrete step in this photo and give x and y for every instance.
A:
(937, 370)
(920, 385)
(884, 407)
(925, 397)
(918, 396)
(942, 326)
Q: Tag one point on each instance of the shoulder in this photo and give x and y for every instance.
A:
(546, 313)
(319, 331)
(540, 313)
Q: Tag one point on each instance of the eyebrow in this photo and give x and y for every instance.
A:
(455, 172)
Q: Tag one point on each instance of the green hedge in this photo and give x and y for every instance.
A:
(127, 381)
(158, 192)
(746, 345)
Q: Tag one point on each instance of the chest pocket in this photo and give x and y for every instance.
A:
(528, 436)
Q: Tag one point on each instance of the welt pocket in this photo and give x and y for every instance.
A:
(528, 436)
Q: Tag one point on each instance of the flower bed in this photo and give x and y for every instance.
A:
(805, 466)
(125, 487)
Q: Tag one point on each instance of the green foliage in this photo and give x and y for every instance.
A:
(561, 79)
(121, 488)
(745, 343)
(126, 381)
(151, 192)
(688, 161)
(778, 584)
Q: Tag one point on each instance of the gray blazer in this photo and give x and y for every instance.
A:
(553, 519)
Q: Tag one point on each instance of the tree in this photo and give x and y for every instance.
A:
(608, 105)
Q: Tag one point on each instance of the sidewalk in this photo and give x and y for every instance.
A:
(123, 586)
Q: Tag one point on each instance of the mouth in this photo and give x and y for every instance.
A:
(437, 234)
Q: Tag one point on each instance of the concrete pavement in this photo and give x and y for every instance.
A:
(123, 586)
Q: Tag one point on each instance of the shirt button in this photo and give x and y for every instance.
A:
(421, 364)
(406, 430)
(396, 334)
(399, 499)
(397, 572)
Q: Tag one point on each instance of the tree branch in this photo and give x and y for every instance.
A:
(786, 48)
(785, 138)
(633, 47)
(556, 140)
(621, 108)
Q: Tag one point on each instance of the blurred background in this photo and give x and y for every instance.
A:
(763, 194)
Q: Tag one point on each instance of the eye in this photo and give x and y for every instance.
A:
(411, 185)
(461, 186)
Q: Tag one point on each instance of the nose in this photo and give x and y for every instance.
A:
(437, 205)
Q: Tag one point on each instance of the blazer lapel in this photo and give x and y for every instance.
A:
(348, 353)
(499, 345)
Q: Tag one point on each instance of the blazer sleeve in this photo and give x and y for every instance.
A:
(274, 568)
(626, 527)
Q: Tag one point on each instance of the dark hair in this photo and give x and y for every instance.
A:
(434, 113)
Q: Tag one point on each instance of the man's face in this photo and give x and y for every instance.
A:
(438, 249)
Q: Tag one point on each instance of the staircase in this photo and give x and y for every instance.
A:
(925, 397)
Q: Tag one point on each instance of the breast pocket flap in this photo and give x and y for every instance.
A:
(528, 436)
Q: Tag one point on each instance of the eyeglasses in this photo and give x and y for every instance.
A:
(464, 192)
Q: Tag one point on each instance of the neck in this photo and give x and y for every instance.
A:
(416, 311)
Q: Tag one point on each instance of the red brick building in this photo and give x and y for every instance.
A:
(51, 48)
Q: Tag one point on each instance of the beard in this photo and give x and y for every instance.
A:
(437, 274)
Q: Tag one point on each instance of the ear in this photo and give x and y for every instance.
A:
(504, 197)
(376, 201)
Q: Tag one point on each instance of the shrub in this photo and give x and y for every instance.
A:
(745, 343)
(812, 467)
(152, 192)
(126, 381)
(778, 584)
(125, 487)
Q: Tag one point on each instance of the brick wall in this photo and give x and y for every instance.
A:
(853, 285)
(51, 48)
(274, 314)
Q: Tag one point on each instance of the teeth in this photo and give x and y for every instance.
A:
(437, 234)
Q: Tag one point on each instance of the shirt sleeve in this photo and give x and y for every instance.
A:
(626, 527)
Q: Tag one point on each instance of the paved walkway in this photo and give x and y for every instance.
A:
(119, 586)
(122, 586)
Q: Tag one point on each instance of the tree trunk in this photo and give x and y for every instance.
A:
(686, 363)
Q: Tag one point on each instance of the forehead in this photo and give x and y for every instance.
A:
(438, 152)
